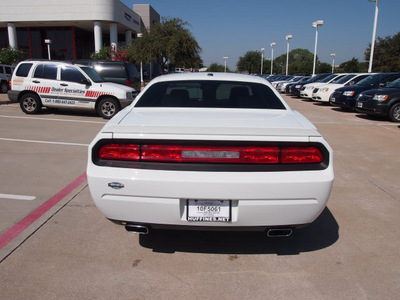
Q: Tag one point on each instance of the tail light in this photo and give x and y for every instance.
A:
(128, 83)
(211, 154)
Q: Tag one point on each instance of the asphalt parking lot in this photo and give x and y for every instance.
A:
(55, 244)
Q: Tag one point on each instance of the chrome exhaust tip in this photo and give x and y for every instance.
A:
(279, 232)
(141, 229)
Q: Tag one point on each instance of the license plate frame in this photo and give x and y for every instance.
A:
(199, 210)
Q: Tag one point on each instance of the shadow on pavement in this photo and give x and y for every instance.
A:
(322, 233)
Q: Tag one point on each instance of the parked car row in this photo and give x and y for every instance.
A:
(375, 94)
(5, 76)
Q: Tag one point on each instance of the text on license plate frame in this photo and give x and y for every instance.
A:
(199, 210)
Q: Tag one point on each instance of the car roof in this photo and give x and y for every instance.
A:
(210, 76)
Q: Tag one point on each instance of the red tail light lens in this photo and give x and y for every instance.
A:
(211, 154)
(120, 152)
(128, 83)
(301, 155)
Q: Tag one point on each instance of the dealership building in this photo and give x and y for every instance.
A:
(71, 29)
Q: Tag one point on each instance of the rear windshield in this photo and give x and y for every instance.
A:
(207, 94)
(111, 70)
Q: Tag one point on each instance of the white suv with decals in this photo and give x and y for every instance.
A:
(55, 84)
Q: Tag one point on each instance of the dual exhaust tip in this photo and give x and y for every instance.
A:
(273, 232)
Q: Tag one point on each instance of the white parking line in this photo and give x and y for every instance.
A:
(44, 142)
(51, 119)
(17, 197)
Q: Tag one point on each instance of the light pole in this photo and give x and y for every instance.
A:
(371, 57)
(48, 42)
(316, 24)
(272, 57)
(225, 58)
(262, 59)
(139, 35)
(333, 62)
(288, 37)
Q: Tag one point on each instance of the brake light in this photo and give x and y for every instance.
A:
(301, 155)
(120, 152)
(128, 83)
(211, 154)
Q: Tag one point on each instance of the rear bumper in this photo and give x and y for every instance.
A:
(258, 199)
(13, 95)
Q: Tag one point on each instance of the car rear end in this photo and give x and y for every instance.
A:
(210, 168)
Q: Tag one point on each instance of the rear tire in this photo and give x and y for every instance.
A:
(108, 108)
(3, 87)
(394, 113)
(30, 104)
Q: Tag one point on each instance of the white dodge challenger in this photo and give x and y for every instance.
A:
(210, 151)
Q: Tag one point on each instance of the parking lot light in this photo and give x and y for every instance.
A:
(48, 42)
(225, 58)
(371, 56)
(288, 37)
(316, 24)
(333, 62)
(262, 59)
(272, 56)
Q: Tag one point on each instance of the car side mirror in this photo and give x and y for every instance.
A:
(86, 82)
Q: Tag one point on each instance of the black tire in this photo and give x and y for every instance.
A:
(108, 108)
(30, 104)
(3, 87)
(394, 113)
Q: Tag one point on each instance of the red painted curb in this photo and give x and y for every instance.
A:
(14, 231)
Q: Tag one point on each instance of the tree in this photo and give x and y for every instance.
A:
(10, 56)
(215, 67)
(300, 62)
(250, 62)
(324, 68)
(386, 54)
(168, 43)
(108, 53)
(350, 66)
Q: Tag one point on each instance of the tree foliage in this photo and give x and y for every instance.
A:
(250, 62)
(215, 67)
(108, 53)
(386, 54)
(10, 56)
(300, 62)
(168, 43)
(350, 66)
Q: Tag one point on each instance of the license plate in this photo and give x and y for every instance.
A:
(359, 104)
(208, 210)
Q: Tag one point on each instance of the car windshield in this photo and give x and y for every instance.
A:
(92, 74)
(328, 78)
(210, 94)
(344, 79)
(394, 84)
(372, 80)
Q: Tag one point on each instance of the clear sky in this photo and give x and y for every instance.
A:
(231, 28)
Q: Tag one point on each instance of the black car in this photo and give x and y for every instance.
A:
(120, 72)
(294, 89)
(383, 102)
(345, 97)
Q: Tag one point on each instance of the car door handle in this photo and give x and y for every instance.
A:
(64, 84)
(36, 81)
